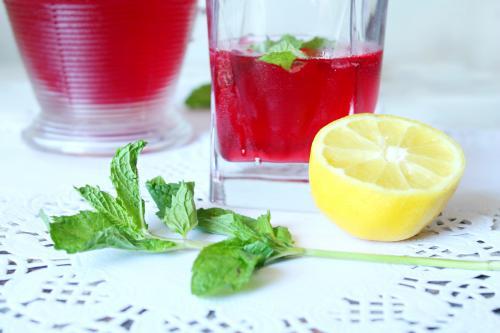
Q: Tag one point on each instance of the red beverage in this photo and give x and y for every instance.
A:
(83, 53)
(269, 114)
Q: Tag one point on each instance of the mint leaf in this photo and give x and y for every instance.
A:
(200, 97)
(284, 52)
(282, 59)
(261, 248)
(317, 43)
(263, 224)
(266, 45)
(125, 179)
(226, 222)
(104, 203)
(181, 216)
(162, 193)
(225, 266)
(228, 265)
(87, 231)
(288, 48)
(283, 235)
(290, 39)
(175, 202)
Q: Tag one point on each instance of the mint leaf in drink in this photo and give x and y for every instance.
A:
(289, 48)
(317, 43)
(88, 230)
(226, 266)
(200, 97)
(125, 179)
(266, 45)
(284, 52)
(181, 216)
(162, 193)
(290, 39)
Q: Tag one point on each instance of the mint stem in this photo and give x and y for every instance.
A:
(195, 245)
(490, 265)
(295, 252)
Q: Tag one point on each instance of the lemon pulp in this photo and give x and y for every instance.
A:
(383, 177)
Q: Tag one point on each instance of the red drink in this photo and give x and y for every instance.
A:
(101, 51)
(268, 114)
(103, 70)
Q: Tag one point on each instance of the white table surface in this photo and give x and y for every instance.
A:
(309, 295)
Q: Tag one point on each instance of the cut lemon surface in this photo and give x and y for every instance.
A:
(382, 177)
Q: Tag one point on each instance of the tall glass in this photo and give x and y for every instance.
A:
(103, 70)
(266, 110)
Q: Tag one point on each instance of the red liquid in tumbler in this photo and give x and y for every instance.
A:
(102, 51)
(267, 113)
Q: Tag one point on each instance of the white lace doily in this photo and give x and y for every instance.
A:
(43, 290)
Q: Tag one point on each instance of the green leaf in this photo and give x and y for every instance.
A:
(200, 97)
(104, 203)
(126, 181)
(317, 43)
(263, 224)
(88, 230)
(181, 216)
(284, 52)
(162, 193)
(269, 43)
(226, 222)
(290, 39)
(283, 59)
(261, 248)
(284, 236)
(288, 48)
(225, 266)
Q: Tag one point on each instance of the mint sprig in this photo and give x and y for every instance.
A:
(117, 222)
(226, 266)
(283, 52)
(288, 48)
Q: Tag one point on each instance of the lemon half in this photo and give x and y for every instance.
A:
(382, 177)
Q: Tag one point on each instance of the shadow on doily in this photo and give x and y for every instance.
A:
(466, 211)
